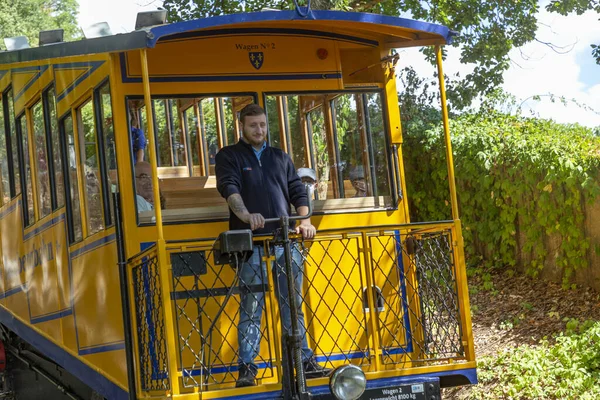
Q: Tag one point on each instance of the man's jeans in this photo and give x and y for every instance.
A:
(253, 272)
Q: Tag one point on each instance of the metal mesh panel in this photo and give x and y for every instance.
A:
(207, 307)
(332, 300)
(420, 320)
(150, 324)
(380, 294)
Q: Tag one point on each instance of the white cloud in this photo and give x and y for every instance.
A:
(573, 75)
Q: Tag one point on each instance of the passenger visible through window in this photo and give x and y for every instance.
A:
(189, 132)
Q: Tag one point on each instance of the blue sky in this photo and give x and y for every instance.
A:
(542, 71)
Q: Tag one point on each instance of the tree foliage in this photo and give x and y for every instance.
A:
(487, 30)
(565, 7)
(29, 17)
(517, 179)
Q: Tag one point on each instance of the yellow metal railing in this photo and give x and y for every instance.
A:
(383, 298)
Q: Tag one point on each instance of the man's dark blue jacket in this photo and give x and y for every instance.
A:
(267, 186)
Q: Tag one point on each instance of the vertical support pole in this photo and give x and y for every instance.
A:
(282, 125)
(449, 157)
(151, 150)
(221, 138)
(368, 271)
(161, 244)
(200, 130)
(461, 274)
(306, 134)
(127, 316)
(330, 133)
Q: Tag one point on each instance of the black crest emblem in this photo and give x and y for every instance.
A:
(256, 59)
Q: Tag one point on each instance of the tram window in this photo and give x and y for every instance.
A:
(285, 109)
(50, 104)
(91, 174)
(13, 142)
(66, 125)
(211, 132)
(28, 195)
(192, 127)
(171, 142)
(220, 124)
(4, 161)
(108, 132)
(340, 135)
(41, 161)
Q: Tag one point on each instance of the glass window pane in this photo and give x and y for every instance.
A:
(56, 149)
(89, 161)
(316, 123)
(28, 198)
(14, 144)
(109, 144)
(230, 121)
(350, 158)
(352, 144)
(191, 124)
(273, 122)
(209, 126)
(3, 160)
(377, 128)
(165, 148)
(177, 138)
(41, 161)
(67, 126)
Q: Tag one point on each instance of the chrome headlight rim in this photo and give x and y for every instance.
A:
(345, 372)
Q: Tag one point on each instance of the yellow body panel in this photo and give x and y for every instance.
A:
(69, 294)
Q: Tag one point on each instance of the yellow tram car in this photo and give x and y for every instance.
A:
(123, 298)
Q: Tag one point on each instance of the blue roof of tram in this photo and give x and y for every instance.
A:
(397, 26)
(404, 30)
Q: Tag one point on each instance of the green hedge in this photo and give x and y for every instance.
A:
(512, 174)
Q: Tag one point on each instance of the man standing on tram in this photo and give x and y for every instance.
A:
(258, 182)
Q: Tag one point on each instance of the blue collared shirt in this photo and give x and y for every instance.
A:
(258, 153)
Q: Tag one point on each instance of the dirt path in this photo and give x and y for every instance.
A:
(520, 310)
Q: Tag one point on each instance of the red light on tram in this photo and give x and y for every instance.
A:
(322, 53)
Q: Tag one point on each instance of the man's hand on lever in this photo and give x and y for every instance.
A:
(239, 209)
(255, 220)
(307, 229)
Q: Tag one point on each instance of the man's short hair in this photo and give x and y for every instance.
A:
(251, 110)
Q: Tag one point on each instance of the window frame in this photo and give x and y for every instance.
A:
(23, 174)
(8, 120)
(35, 177)
(81, 149)
(49, 141)
(3, 193)
(100, 147)
(67, 177)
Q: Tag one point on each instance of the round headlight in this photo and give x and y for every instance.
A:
(347, 382)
